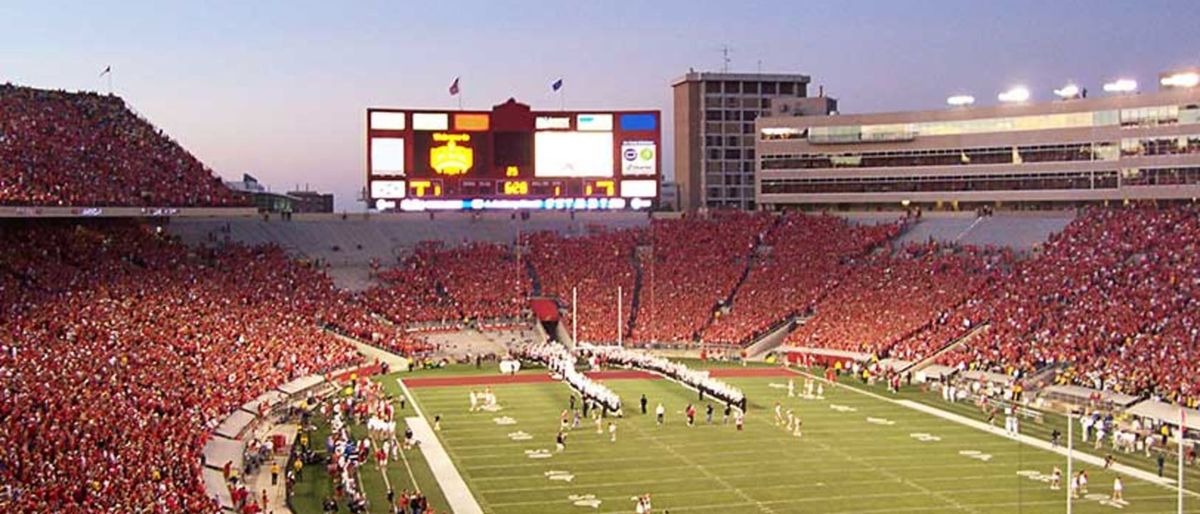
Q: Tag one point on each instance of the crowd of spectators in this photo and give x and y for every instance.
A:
(1111, 300)
(801, 260)
(888, 296)
(120, 350)
(690, 269)
(447, 286)
(85, 149)
(595, 265)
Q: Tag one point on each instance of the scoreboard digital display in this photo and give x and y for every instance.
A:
(512, 158)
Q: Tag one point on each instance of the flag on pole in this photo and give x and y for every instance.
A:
(556, 85)
(107, 70)
(454, 87)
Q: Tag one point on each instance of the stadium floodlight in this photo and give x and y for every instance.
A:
(960, 100)
(1121, 86)
(1017, 94)
(1185, 79)
(1068, 91)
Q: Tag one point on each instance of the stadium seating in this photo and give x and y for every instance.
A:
(85, 149)
(1112, 298)
(595, 265)
(120, 350)
(692, 267)
(475, 281)
(802, 262)
(886, 297)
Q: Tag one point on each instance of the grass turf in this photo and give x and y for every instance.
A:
(315, 485)
(843, 463)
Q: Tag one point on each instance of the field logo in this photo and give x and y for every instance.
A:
(842, 408)
(976, 454)
(638, 158)
(539, 454)
(880, 421)
(925, 438)
(519, 435)
(505, 420)
(585, 500)
(562, 476)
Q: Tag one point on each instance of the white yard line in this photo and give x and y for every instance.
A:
(703, 470)
(1028, 440)
(454, 488)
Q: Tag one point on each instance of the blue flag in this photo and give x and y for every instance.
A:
(556, 85)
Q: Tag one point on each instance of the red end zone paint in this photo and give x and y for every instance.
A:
(749, 372)
(616, 374)
(534, 378)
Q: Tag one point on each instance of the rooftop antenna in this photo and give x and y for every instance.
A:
(760, 66)
(725, 49)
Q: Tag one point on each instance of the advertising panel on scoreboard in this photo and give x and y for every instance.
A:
(573, 154)
(639, 158)
(387, 156)
(387, 189)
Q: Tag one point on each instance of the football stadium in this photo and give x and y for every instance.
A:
(740, 299)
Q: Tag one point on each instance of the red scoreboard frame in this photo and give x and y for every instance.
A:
(512, 157)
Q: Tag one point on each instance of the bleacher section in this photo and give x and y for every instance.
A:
(356, 239)
(1018, 231)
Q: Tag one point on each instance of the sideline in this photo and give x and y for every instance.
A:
(454, 488)
(1028, 440)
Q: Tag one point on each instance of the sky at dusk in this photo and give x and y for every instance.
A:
(280, 89)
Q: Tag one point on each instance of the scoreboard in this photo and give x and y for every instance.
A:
(512, 158)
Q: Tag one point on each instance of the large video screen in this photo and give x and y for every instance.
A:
(573, 154)
(512, 157)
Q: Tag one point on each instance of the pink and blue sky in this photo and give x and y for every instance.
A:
(279, 89)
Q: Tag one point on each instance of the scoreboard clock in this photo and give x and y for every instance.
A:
(512, 158)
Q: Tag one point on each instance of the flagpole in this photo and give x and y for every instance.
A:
(574, 316)
(1070, 447)
(1179, 481)
(619, 294)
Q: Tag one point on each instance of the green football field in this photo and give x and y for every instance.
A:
(857, 454)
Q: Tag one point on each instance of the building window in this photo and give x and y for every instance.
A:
(713, 115)
(733, 154)
(733, 87)
(787, 88)
(712, 87)
(769, 88)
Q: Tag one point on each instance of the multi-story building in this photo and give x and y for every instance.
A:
(1066, 152)
(311, 201)
(714, 132)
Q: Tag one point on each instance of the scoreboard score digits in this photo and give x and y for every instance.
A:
(512, 158)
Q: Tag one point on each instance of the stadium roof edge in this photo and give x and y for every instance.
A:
(695, 76)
